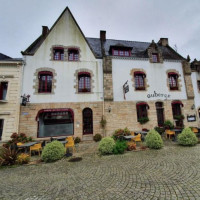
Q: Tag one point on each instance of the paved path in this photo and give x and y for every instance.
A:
(170, 173)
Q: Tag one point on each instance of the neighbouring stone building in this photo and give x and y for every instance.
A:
(10, 91)
(74, 81)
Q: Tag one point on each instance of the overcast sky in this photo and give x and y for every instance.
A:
(135, 20)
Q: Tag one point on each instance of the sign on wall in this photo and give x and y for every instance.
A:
(160, 95)
(191, 118)
(125, 88)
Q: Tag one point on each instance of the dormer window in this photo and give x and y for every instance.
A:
(73, 55)
(173, 80)
(58, 54)
(121, 52)
(155, 58)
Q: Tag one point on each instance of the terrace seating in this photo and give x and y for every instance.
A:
(70, 143)
(137, 138)
(169, 133)
(36, 147)
(195, 130)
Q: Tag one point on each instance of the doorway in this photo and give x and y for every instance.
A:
(87, 121)
(160, 113)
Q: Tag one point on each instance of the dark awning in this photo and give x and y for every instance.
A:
(177, 102)
(142, 103)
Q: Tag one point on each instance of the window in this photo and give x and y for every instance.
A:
(84, 82)
(121, 52)
(73, 55)
(139, 80)
(142, 110)
(58, 54)
(45, 82)
(173, 81)
(3, 90)
(176, 111)
(155, 57)
(55, 122)
(1, 128)
(198, 85)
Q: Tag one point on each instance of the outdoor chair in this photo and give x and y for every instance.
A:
(170, 133)
(137, 138)
(195, 130)
(36, 147)
(19, 144)
(70, 143)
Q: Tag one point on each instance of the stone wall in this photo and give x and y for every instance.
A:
(29, 125)
(124, 114)
(9, 109)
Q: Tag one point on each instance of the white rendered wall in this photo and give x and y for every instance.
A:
(65, 33)
(156, 79)
(196, 76)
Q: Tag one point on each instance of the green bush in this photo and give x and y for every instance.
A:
(120, 147)
(97, 137)
(187, 137)
(77, 140)
(153, 140)
(160, 130)
(53, 151)
(106, 145)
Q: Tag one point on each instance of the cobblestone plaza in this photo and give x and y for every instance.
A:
(170, 173)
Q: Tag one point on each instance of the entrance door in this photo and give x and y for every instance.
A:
(1, 128)
(160, 113)
(87, 121)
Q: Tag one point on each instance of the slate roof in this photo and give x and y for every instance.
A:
(4, 57)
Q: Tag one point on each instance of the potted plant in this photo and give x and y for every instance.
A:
(179, 117)
(168, 124)
(103, 122)
(143, 120)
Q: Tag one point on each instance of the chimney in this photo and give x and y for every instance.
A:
(163, 41)
(103, 36)
(45, 31)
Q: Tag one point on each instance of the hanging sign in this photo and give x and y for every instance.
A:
(125, 88)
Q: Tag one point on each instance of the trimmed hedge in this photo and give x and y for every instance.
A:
(106, 145)
(187, 138)
(153, 140)
(53, 151)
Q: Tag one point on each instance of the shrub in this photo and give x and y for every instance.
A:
(187, 138)
(120, 147)
(53, 151)
(160, 130)
(153, 140)
(8, 156)
(23, 158)
(168, 124)
(97, 137)
(77, 140)
(131, 146)
(103, 122)
(119, 133)
(106, 145)
(143, 120)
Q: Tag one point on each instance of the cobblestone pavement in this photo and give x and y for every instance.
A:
(170, 173)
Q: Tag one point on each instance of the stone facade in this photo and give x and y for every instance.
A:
(10, 72)
(29, 125)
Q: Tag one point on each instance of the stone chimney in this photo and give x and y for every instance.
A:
(163, 41)
(103, 36)
(45, 31)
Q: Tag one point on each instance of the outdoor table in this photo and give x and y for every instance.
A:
(27, 145)
(177, 131)
(129, 137)
(59, 138)
(64, 142)
(143, 134)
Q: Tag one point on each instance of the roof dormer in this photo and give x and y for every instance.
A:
(154, 53)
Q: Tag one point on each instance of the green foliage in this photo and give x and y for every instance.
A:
(119, 133)
(120, 147)
(187, 138)
(15, 138)
(168, 124)
(160, 130)
(179, 117)
(103, 122)
(77, 140)
(8, 156)
(153, 140)
(143, 120)
(97, 137)
(53, 151)
(106, 145)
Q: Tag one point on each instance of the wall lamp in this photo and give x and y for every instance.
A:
(109, 109)
(193, 107)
